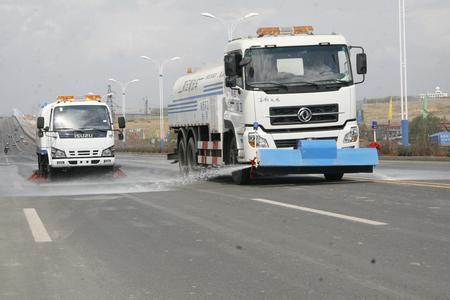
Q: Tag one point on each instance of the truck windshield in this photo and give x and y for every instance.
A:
(81, 117)
(301, 66)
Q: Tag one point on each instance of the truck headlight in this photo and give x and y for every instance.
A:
(352, 135)
(56, 153)
(108, 152)
(256, 141)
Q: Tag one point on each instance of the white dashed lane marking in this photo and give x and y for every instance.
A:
(37, 228)
(321, 212)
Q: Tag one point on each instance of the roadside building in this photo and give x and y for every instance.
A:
(441, 138)
(438, 93)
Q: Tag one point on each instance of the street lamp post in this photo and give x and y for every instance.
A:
(103, 96)
(230, 25)
(403, 73)
(124, 88)
(160, 67)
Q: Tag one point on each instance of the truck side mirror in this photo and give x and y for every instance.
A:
(232, 63)
(120, 136)
(121, 121)
(40, 123)
(230, 82)
(361, 63)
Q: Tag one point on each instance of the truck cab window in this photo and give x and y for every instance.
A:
(298, 67)
(81, 117)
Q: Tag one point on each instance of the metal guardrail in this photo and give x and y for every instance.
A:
(25, 130)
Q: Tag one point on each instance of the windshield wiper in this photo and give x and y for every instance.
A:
(334, 80)
(94, 129)
(305, 83)
(64, 129)
(264, 85)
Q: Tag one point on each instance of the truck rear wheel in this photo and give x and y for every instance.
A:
(241, 176)
(333, 176)
(191, 155)
(182, 158)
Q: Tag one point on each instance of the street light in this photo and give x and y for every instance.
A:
(102, 96)
(124, 88)
(230, 25)
(403, 73)
(160, 67)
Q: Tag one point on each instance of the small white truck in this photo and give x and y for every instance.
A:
(74, 133)
(280, 103)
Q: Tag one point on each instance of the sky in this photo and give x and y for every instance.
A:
(72, 47)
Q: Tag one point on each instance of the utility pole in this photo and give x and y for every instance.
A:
(403, 73)
(146, 105)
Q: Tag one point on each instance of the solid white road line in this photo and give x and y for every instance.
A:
(37, 228)
(321, 212)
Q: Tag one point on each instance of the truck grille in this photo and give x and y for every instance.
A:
(293, 142)
(83, 153)
(287, 115)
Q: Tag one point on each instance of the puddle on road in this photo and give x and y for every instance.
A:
(147, 178)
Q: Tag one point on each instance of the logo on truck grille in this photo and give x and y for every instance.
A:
(304, 114)
(83, 135)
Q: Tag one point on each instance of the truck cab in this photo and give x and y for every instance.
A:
(295, 85)
(73, 133)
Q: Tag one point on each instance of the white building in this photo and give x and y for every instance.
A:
(436, 94)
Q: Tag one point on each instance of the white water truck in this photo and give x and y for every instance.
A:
(75, 133)
(280, 103)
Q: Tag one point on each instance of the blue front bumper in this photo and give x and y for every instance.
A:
(318, 156)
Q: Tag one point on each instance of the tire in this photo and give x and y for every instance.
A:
(191, 156)
(39, 163)
(232, 152)
(333, 176)
(43, 166)
(182, 158)
(240, 177)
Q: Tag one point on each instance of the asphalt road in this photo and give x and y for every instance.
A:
(154, 235)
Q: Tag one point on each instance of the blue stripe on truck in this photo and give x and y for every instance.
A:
(199, 96)
(214, 84)
(180, 111)
(213, 89)
(182, 107)
(184, 103)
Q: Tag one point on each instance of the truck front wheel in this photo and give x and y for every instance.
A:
(333, 176)
(241, 176)
(43, 165)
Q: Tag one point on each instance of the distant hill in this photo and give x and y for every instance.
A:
(377, 109)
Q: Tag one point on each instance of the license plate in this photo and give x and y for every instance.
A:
(83, 135)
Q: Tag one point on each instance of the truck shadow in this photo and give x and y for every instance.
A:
(297, 180)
